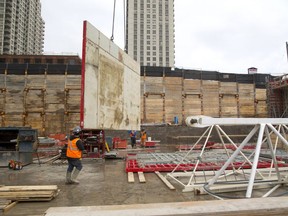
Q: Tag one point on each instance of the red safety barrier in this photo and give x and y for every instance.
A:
(132, 165)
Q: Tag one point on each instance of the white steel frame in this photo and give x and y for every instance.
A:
(261, 125)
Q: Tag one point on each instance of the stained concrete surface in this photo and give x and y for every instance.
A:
(102, 182)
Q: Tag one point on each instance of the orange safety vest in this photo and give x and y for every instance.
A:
(143, 135)
(72, 150)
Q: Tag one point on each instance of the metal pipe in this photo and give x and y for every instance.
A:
(255, 161)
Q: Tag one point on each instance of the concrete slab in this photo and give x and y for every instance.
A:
(275, 206)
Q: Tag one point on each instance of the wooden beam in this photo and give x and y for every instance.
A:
(141, 177)
(130, 177)
(166, 182)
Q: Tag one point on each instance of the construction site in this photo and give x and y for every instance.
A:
(216, 142)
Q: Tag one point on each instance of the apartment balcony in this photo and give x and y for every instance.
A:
(7, 35)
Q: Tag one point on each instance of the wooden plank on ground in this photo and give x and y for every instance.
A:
(141, 177)
(168, 184)
(130, 177)
(9, 206)
(29, 188)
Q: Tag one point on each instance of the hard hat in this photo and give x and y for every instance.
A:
(76, 130)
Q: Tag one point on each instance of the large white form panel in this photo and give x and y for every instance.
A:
(110, 85)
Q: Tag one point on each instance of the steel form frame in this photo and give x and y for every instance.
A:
(262, 125)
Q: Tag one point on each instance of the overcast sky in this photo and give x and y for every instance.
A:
(219, 35)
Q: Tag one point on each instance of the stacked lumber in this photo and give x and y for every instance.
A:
(29, 193)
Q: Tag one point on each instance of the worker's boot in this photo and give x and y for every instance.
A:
(68, 178)
(74, 176)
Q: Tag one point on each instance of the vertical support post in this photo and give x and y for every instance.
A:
(183, 99)
(144, 96)
(255, 161)
(164, 93)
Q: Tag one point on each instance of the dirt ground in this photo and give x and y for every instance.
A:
(102, 182)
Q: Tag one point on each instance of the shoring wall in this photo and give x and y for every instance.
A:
(47, 97)
(167, 97)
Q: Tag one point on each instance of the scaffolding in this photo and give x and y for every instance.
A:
(277, 97)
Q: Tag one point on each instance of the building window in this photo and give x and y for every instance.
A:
(49, 61)
(26, 60)
(60, 61)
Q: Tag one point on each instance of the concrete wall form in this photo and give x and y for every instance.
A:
(110, 84)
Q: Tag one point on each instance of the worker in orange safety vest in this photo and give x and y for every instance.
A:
(74, 154)
(143, 137)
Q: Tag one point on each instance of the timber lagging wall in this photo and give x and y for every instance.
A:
(47, 96)
(168, 95)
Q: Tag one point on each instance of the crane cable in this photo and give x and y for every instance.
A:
(124, 21)
(112, 37)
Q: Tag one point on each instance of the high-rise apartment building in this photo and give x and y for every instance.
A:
(21, 27)
(150, 32)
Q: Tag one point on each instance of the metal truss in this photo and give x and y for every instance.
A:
(229, 177)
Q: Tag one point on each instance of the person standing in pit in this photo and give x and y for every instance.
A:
(133, 138)
(143, 137)
(74, 152)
